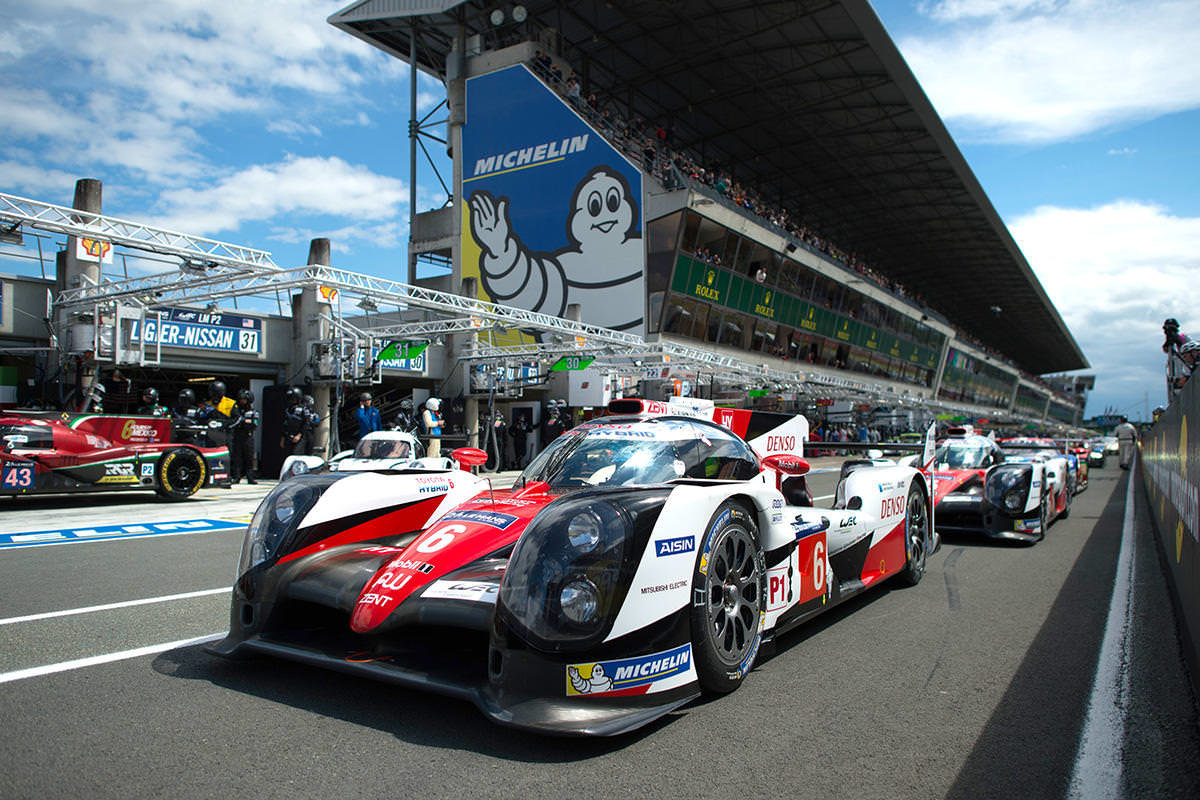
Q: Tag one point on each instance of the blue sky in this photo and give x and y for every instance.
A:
(262, 125)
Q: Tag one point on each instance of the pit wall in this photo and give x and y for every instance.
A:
(1171, 473)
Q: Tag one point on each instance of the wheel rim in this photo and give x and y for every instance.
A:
(917, 529)
(182, 473)
(734, 596)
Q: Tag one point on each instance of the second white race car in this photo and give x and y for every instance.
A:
(379, 450)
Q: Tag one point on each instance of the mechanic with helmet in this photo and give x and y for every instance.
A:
(294, 417)
(367, 415)
(185, 418)
(311, 420)
(241, 448)
(218, 414)
(405, 420)
(150, 405)
(431, 423)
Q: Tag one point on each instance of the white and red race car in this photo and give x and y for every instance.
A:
(642, 558)
(377, 451)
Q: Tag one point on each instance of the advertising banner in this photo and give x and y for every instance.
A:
(1171, 471)
(202, 330)
(551, 213)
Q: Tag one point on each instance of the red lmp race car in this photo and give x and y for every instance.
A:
(40, 454)
(642, 558)
(1012, 489)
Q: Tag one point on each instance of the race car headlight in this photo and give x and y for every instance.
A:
(567, 576)
(584, 531)
(580, 600)
(1007, 487)
(278, 516)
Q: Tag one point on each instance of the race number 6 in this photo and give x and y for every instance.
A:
(440, 538)
(819, 566)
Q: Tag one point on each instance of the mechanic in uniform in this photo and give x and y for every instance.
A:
(294, 417)
(241, 446)
(150, 405)
(311, 420)
(1126, 437)
(185, 418)
(367, 415)
(405, 421)
(431, 422)
(519, 430)
(219, 409)
(555, 423)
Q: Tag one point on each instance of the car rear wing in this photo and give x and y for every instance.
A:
(767, 432)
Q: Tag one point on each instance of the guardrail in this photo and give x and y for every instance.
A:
(1171, 475)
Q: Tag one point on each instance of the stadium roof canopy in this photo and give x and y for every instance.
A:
(809, 103)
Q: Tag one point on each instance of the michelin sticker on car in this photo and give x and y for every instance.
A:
(627, 675)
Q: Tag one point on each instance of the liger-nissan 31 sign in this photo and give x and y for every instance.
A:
(552, 214)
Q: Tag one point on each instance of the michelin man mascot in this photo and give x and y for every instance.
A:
(601, 267)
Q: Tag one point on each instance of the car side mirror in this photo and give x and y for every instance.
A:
(1051, 476)
(468, 457)
(787, 464)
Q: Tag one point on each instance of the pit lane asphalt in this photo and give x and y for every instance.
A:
(972, 684)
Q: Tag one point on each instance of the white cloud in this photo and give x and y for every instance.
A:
(292, 128)
(1032, 71)
(126, 85)
(1115, 272)
(1122, 151)
(22, 177)
(295, 186)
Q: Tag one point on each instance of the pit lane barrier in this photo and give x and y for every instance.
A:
(1170, 456)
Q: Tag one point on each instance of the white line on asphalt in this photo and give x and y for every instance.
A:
(109, 606)
(91, 661)
(1097, 771)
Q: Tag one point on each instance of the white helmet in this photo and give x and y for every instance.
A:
(433, 404)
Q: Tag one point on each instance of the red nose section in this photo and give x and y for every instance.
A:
(470, 532)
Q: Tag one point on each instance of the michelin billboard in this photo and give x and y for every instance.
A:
(551, 212)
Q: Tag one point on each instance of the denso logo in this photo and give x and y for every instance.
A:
(669, 547)
(781, 443)
(892, 506)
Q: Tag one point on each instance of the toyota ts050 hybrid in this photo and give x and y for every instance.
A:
(640, 559)
(378, 450)
(101, 452)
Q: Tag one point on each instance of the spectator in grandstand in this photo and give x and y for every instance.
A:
(573, 89)
(1126, 436)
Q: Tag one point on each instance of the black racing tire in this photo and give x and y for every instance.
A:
(916, 538)
(180, 474)
(728, 591)
(1044, 511)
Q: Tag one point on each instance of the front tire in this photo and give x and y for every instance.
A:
(916, 538)
(728, 599)
(181, 473)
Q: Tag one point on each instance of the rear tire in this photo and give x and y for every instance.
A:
(916, 538)
(181, 473)
(728, 586)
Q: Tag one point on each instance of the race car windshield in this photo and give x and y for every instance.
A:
(962, 455)
(382, 448)
(642, 452)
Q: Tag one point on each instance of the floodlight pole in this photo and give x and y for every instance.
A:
(412, 150)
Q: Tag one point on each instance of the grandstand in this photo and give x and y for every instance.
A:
(800, 201)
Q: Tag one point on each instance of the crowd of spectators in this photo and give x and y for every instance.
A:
(653, 146)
